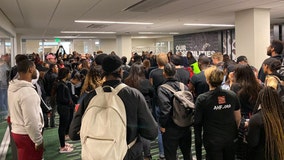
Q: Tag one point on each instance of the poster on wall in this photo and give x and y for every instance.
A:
(205, 43)
(229, 43)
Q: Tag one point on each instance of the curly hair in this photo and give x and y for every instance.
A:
(94, 79)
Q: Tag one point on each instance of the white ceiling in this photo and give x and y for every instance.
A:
(46, 18)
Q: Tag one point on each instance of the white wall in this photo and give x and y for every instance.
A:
(8, 28)
(108, 45)
(6, 25)
(252, 34)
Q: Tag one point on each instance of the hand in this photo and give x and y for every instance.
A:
(163, 130)
(246, 124)
(39, 147)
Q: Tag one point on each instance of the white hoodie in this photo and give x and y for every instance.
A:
(24, 109)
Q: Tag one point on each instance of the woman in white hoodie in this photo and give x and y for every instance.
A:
(25, 113)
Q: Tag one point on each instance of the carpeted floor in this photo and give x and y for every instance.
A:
(51, 143)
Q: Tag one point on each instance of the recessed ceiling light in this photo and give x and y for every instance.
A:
(87, 32)
(209, 25)
(113, 22)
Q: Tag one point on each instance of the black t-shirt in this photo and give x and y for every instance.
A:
(157, 77)
(215, 113)
(199, 83)
(182, 75)
(246, 106)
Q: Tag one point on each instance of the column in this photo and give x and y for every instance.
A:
(18, 44)
(124, 46)
(252, 27)
(2, 46)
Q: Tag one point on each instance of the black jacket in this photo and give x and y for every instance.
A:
(256, 137)
(166, 102)
(139, 119)
(49, 79)
(63, 95)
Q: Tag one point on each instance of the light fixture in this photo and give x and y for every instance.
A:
(209, 25)
(83, 32)
(112, 22)
(158, 32)
(74, 37)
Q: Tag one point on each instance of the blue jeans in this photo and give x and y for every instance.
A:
(3, 100)
(160, 139)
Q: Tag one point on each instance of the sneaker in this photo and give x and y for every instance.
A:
(68, 145)
(66, 149)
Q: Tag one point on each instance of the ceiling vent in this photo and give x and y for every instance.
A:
(97, 26)
(147, 5)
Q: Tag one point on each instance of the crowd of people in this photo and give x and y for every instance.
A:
(239, 113)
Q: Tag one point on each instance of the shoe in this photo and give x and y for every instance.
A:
(162, 157)
(66, 149)
(68, 145)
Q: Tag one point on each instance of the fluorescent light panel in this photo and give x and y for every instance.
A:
(87, 32)
(112, 22)
(209, 25)
(73, 37)
(158, 32)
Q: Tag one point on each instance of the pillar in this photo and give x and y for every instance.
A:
(124, 46)
(252, 27)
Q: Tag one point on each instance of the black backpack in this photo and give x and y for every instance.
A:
(183, 106)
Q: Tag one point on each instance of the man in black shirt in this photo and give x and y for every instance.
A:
(156, 78)
(174, 136)
(218, 114)
(274, 50)
(198, 84)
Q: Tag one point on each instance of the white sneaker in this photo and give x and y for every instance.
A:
(66, 149)
(67, 145)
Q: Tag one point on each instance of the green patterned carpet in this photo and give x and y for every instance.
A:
(51, 143)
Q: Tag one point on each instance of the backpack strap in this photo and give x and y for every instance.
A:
(181, 86)
(170, 88)
(113, 90)
(119, 87)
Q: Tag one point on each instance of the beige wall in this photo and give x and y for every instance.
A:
(108, 45)
(78, 46)
(31, 46)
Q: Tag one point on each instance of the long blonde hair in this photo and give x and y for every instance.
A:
(272, 111)
(94, 79)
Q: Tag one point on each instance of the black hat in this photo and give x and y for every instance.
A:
(40, 68)
(111, 63)
(242, 58)
(100, 58)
